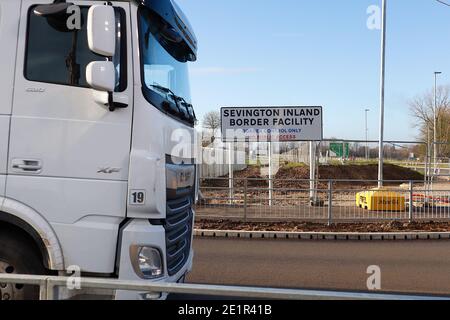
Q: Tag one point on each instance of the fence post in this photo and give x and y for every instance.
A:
(330, 202)
(43, 290)
(411, 204)
(50, 290)
(245, 199)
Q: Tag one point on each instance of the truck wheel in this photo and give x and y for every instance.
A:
(19, 255)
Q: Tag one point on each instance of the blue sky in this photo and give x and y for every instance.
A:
(318, 52)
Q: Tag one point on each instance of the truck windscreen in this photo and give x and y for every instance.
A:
(164, 67)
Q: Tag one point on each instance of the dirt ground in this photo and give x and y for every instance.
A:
(286, 176)
(394, 226)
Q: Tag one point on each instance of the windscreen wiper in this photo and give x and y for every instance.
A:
(177, 100)
(169, 92)
(188, 106)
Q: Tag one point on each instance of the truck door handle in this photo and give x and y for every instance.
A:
(27, 165)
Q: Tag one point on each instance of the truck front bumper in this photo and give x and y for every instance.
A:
(140, 232)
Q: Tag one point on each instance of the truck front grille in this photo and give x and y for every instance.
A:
(178, 226)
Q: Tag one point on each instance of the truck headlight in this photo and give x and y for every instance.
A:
(147, 262)
(179, 176)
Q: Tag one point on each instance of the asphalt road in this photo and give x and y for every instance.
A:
(406, 267)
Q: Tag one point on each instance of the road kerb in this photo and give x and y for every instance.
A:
(328, 236)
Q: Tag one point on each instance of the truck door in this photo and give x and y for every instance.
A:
(69, 155)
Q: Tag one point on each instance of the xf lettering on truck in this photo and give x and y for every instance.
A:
(108, 170)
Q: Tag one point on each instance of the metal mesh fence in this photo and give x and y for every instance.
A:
(328, 200)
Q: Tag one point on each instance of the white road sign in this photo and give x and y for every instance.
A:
(272, 124)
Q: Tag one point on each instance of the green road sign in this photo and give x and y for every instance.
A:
(342, 150)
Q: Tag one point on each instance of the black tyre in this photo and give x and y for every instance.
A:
(19, 255)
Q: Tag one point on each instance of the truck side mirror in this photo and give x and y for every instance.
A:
(101, 36)
(101, 30)
(100, 75)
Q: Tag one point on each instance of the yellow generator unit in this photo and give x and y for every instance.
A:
(381, 200)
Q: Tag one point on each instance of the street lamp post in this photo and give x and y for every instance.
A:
(435, 117)
(367, 135)
(382, 83)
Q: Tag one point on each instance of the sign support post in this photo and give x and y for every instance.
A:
(312, 172)
(270, 174)
(230, 172)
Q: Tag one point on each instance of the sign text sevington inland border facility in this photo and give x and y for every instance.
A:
(272, 124)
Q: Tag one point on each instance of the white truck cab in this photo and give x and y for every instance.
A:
(92, 94)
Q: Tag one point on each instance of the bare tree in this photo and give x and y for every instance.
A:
(422, 109)
(211, 121)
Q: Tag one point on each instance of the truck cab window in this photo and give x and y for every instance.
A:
(55, 54)
(164, 67)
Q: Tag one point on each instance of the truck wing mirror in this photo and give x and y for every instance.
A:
(101, 36)
(101, 30)
(100, 75)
